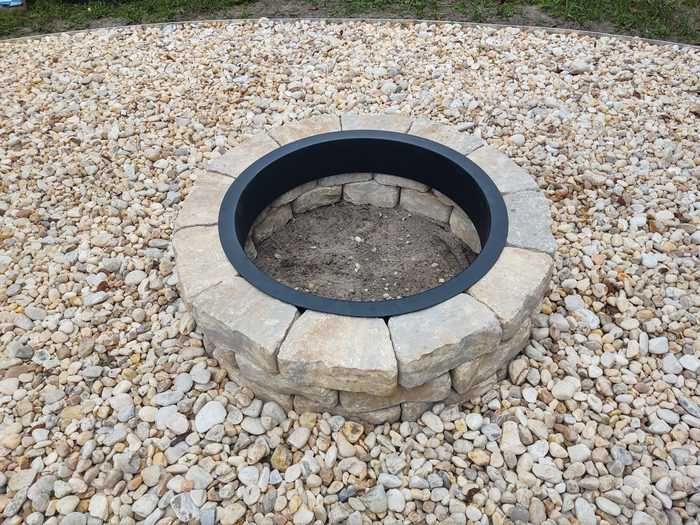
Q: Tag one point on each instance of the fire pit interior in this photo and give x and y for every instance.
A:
(369, 266)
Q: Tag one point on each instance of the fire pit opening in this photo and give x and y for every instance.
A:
(363, 223)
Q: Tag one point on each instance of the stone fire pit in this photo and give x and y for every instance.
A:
(375, 361)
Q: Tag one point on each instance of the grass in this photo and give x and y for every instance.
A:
(665, 19)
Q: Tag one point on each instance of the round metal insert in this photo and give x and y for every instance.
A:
(357, 151)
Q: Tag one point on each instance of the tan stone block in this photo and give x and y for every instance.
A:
(297, 130)
(250, 149)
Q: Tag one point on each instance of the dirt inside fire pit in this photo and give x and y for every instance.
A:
(362, 253)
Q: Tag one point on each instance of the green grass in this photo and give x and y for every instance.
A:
(665, 19)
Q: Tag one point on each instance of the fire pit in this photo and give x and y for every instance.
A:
(383, 359)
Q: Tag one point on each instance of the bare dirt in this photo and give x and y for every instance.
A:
(362, 253)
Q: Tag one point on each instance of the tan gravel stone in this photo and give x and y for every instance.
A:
(200, 260)
(344, 353)
(507, 175)
(298, 130)
(234, 162)
(431, 342)
(514, 287)
(445, 134)
(237, 316)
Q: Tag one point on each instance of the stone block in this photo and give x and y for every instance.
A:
(250, 149)
(433, 341)
(304, 404)
(201, 207)
(341, 353)
(292, 194)
(514, 286)
(270, 221)
(506, 174)
(346, 178)
(434, 390)
(529, 221)
(371, 193)
(444, 198)
(402, 182)
(324, 397)
(446, 135)
(237, 316)
(385, 122)
(317, 197)
(425, 204)
(471, 373)
(412, 411)
(200, 261)
(300, 129)
(463, 228)
(375, 417)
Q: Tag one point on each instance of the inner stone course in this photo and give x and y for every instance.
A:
(372, 369)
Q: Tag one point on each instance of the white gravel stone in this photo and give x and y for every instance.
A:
(209, 415)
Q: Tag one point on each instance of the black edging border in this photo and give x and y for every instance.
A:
(355, 151)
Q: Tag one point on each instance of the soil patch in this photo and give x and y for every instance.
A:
(362, 253)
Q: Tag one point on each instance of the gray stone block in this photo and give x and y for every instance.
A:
(529, 221)
(372, 193)
(425, 204)
(234, 162)
(514, 287)
(433, 341)
(506, 174)
(402, 182)
(201, 207)
(236, 315)
(317, 197)
(447, 135)
(342, 353)
(434, 390)
(292, 194)
(200, 261)
(384, 122)
(300, 129)
(463, 228)
(270, 221)
(347, 178)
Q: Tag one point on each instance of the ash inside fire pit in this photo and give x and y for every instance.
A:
(362, 253)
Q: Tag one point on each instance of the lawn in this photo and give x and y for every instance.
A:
(677, 20)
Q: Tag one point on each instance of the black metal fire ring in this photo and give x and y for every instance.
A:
(363, 151)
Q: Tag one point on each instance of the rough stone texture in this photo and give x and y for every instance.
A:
(506, 174)
(292, 194)
(446, 135)
(270, 221)
(374, 417)
(304, 404)
(384, 122)
(529, 221)
(233, 162)
(371, 193)
(434, 390)
(200, 260)
(431, 342)
(472, 373)
(346, 178)
(324, 397)
(294, 131)
(514, 286)
(317, 197)
(201, 207)
(402, 182)
(227, 361)
(412, 411)
(425, 204)
(344, 353)
(464, 229)
(237, 316)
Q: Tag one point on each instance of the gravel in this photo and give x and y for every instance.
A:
(111, 409)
